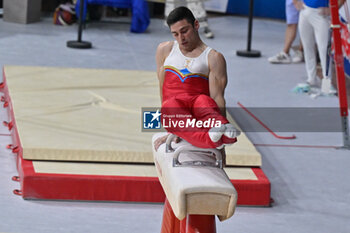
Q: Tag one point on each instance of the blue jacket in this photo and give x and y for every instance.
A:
(316, 3)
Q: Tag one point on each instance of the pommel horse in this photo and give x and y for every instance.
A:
(196, 187)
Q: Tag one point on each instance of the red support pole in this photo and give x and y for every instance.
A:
(339, 63)
(190, 224)
(170, 223)
(198, 224)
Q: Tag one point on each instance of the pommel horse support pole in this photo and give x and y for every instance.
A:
(196, 187)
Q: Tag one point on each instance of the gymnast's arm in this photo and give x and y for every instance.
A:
(217, 79)
(217, 84)
(162, 53)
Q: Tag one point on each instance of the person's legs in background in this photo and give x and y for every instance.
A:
(290, 35)
(321, 25)
(198, 10)
(169, 6)
(283, 56)
(292, 18)
(307, 21)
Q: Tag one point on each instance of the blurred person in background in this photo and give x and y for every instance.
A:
(283, 57)
(198, 10)
(314, 24)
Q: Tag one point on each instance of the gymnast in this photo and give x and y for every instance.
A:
(192, 80)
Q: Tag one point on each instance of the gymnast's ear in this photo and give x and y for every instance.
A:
(196, 24)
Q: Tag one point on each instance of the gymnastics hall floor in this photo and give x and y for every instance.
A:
(308, 182)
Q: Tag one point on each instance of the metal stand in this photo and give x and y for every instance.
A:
(339, 64)
(79, 44)
(346, 136)
(249, 52)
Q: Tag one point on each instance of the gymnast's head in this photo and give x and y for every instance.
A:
(179, 14)
(183, 26)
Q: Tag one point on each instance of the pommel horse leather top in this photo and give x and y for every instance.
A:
(193, 180)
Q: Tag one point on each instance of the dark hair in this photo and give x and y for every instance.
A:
(179, 14)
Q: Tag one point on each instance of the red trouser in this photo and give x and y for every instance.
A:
(192, 108)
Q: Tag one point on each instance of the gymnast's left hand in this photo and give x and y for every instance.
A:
(159, 141)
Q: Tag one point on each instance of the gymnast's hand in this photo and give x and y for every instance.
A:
(159, 141)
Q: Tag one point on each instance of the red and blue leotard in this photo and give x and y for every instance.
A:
(186, 98)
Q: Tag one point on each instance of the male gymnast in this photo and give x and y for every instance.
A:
(192, 80)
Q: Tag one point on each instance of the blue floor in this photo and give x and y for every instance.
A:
(309, 185)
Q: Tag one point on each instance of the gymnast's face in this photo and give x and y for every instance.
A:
(185, 34)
